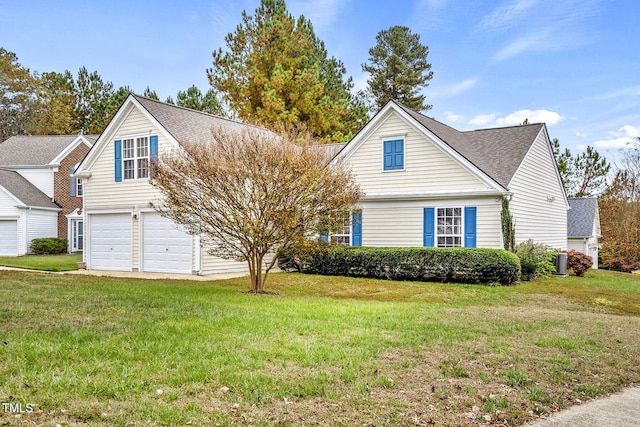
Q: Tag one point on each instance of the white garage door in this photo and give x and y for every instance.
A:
(110, 242)
(8, 237)
(165, 248)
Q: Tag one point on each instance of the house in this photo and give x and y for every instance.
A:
(123, 231)
(38, 196)
(583, 227)
(428, 184)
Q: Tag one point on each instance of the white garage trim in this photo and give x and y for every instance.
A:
(8, 237)
(164, 247)
(110, 241)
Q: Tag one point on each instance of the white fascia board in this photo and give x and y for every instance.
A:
(68, 149)
(111, 132)
(11, 195)
(37, 208)
(377, 121)
(438, 194)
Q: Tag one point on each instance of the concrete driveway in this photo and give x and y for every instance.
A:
(618, 410)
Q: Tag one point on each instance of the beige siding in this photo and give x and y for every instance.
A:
(387, 224)
(425, 163)
(538, 205)
(213, 264)
(101, 190)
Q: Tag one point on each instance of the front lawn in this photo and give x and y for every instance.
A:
(321, 351)
(65, 262)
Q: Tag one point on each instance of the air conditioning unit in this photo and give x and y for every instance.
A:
(560, 262)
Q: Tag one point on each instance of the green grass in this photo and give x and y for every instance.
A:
(43, 262)
(319, 351)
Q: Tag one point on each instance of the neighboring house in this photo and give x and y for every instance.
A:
(26, 213)
(123, 231)
(583, 227)
(46, 162)
(427, 184)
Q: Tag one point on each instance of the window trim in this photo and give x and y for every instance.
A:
(437, 234)
(79, 188)
(391, 138)
(136, 158)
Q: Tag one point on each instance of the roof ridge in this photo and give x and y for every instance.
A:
(191, 110)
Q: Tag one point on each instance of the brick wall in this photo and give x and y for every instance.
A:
(61, 189)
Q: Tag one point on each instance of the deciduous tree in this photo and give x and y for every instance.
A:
(248, 192)
(55, 107)
(398, 68)
(620, 215)
(276, 72)
(17, 95)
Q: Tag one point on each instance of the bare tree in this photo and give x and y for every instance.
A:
(249, 192)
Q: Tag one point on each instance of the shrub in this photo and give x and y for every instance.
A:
(49, 245)
(578, 262)
(460, 265)
(536, 260)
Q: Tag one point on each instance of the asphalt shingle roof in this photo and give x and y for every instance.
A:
(581, 216)
(35, 150)
(498, 152)
(184, 124)
(24, 191)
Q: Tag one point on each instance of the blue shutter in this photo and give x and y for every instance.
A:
(72, 182)
(356, 229)
(398, 154)
(393, 154)
(470, 227)
(429, 224)
(324, 238)
(117, 148)
(153, 147)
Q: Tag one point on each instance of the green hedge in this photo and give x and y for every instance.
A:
(422, 264)
(49, 246)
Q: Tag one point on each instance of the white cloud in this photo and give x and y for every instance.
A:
(483, 119)
(619, 139)
(580, 134)
(451, 117)
(506, 16)
(534, 116)
(516, 118)
(454, 89)
(532, 42)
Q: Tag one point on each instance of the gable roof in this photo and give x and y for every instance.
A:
(581, 216)
(184, 124)
(24, 191)
(498, 152)
(36, 150)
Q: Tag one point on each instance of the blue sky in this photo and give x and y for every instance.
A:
(573, 64)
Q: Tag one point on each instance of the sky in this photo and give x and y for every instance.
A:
(573, 64)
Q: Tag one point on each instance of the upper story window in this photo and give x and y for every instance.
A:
(449, 230)
(135, 157)
(393, 154)
(79, 188)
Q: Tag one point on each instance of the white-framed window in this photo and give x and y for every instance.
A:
(449, 227)
(135, 158)
(393, 154)
(79, 187)
(343, 236)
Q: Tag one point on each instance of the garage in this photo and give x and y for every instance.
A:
(165, 248)
(8, 237)
(110, 240)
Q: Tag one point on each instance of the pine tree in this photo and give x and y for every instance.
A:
(399, 69)
(276, 72)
